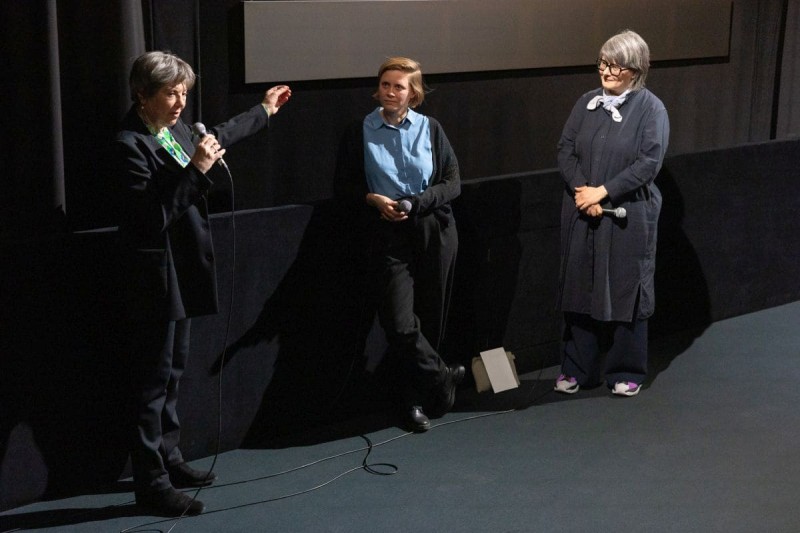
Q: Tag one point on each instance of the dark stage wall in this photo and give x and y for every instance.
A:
(728, 241)
(71, 60)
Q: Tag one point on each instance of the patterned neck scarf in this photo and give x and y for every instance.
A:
(610, 103)
(167, 141)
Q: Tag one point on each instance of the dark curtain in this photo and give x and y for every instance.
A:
(33, 197)
(98, 43)
(788, 123)
(66, 75)
(172, 26)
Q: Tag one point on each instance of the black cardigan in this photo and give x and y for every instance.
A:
(351, 181)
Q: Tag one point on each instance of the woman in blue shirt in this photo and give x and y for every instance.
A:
(396, 169)
(609, 155)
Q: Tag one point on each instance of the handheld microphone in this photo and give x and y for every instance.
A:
(199, 129)
(403, 206)
(619, 212)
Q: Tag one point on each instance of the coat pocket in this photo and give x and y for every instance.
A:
(149, 273)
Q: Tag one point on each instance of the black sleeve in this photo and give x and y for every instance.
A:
(446, 181)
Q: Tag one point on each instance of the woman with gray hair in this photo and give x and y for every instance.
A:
(163, 170)
(609, 154)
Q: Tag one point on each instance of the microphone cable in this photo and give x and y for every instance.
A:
(381, 469)
(371, 468)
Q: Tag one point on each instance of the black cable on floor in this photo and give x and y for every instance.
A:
(370, 468)
(367, 467)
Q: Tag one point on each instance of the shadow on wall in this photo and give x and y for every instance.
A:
(311, 346)
(682, 294)
(314, 327)
(60, 378)
(487, 271)
(319, 329)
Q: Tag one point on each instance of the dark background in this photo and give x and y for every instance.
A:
(296, 351)
(66, 89)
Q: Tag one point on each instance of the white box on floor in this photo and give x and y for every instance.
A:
(495, 370)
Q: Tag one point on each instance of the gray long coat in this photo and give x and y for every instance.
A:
(607, 263)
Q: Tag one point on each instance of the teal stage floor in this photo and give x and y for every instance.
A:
(711, 444)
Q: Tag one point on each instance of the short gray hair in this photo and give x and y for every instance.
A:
(153, 70)
(627, 49)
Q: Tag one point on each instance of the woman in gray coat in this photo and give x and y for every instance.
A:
(610, 152)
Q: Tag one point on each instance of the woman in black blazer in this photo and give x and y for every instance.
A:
(170, 275)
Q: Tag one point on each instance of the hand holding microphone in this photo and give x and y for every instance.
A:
(208, 150)
(390, 210)
(587, 196)
(587, 199)
(597, 211)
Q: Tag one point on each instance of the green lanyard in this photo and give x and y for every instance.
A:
(165, 139)
(172, 146)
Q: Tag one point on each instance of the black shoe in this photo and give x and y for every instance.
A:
(446, 390)
(415, 419)
(184, 476)
(169, 502)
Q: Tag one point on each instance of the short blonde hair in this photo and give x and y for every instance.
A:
(627, 49)
(411, 67)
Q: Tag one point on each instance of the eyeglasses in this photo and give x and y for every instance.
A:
(615, 70)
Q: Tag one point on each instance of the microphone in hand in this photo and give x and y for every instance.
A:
(619, 212)
(403, 206)
(199, 129)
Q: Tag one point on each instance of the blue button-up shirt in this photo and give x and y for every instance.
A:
(398, 160)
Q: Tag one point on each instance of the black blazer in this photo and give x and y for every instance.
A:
(168, 267)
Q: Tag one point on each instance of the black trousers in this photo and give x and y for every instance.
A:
(585, 339)
(160, 350)
(415, 260)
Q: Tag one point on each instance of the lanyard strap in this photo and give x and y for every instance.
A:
(168, 142)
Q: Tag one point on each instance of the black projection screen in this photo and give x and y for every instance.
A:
(330, 39)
